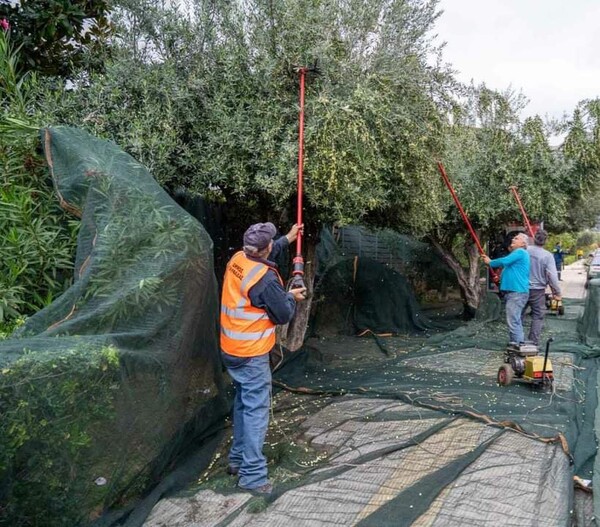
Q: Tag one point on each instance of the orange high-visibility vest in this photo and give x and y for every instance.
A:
(246, 331)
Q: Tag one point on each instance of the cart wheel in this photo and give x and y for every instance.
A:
(561, 310)
(505, 375)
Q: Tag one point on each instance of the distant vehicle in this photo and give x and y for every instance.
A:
(594, 268)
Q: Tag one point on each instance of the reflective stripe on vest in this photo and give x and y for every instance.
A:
(246, 336)
(249, 281)
(246, 330)
(244, 315)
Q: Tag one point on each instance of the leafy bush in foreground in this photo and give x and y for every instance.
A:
(54, 406)
(38, 240)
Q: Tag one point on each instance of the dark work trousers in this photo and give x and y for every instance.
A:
(537, 301)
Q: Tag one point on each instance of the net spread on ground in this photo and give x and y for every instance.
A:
(113, 397)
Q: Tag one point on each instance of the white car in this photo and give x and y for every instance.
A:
(594, 268)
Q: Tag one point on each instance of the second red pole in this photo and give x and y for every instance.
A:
(298, 261)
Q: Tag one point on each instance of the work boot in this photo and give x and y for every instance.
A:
(263, 490)
(232, 470)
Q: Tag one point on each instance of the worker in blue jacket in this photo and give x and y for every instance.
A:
(559, 258)
(514, 283)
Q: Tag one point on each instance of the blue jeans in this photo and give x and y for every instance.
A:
(252, 381)
(537, 301)
(515, 303)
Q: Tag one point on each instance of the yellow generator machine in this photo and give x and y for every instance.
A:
(554, 306)
(522, 362)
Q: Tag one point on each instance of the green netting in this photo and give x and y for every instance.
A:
(105, 390)
(589, 325)
(421, 434)
(456, 372)
(104, 393)
(366, 283)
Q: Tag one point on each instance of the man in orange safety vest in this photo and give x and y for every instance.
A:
(253, 302)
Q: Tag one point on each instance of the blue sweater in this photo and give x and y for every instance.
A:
(515, 276)
(268, 293)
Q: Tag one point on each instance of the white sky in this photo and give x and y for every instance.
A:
(548, 49)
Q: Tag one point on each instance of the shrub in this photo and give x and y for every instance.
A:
(38, 240)
(54, 406)
(588, 238)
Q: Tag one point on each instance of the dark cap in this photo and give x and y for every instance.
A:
(540, 237)
(258, 236)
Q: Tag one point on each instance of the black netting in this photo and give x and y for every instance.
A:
(366, 282)
(589, 324)
(346, 302)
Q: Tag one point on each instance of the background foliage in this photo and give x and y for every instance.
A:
(205, 94)
(38, 241)
(57, 37)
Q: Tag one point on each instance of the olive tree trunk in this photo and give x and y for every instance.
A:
(291, 336)
(471, 289)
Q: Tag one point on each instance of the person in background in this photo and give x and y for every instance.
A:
(514, 283)
(253, 302)
(559, 257)
(542, 273)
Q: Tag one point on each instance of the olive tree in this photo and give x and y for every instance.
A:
(490, 149)
(581, 151)
(214, 90)
(207, 98)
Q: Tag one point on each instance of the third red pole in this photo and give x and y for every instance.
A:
(300, 161)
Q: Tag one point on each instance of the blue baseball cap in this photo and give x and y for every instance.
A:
(258, 236)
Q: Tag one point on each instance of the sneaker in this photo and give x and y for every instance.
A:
(232, 470)
(263, 490)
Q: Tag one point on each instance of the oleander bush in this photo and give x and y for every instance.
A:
(38, 238)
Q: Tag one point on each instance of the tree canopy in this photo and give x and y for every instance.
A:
(58, 36)
(206, 95)
(229, 113)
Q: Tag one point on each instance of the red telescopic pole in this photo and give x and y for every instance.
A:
(298, 261)
(525, 218)
(494, 274)
(300, 161)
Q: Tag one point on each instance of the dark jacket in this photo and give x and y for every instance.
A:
(268, 293)
(558, 256)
